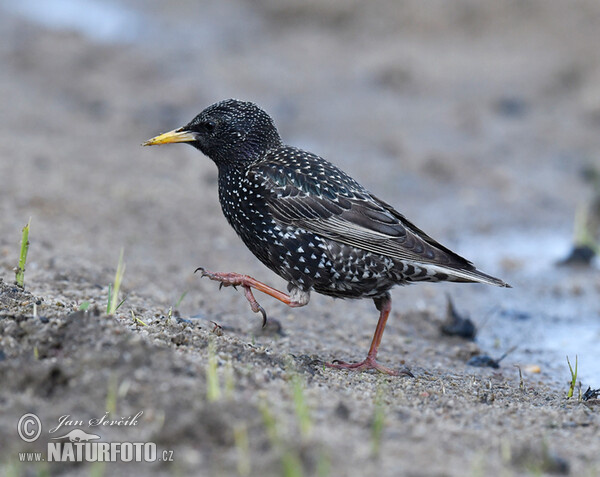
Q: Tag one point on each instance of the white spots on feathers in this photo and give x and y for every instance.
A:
(304, 258)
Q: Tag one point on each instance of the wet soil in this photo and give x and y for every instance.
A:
(475, 120)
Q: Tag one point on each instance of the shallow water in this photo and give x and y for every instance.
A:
(101, 21)
(551, 312)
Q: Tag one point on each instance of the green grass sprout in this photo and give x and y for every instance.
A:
(13, 469)
(378, 422)
(583, 235)
(213, 391)
(300, 406)
(240, 437)
(113, 290)
(180, 299)
(573, 378)
(175, 306)
(269, 422)
(229, 380)
(84, 306)
(20, 270)
(111, 394)
(290, 462)
(136, 320)
(109, 302)
(323, 464)
(97, 469)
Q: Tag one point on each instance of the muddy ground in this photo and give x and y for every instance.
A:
(476, 119)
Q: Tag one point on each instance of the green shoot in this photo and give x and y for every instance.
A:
(20, 270)
(290, 463)
(175, 306)
(269, 422)
(378, 423)
(583, 235)
(180, 299)
(573, 378)
(292, 466)
(111, 394)
(240, 437)
(84, 306)
(300, 406)
(97, 469)
(111, 300)
(229, 380)
(36, 353)
(42, 470)
(323, 464)
(506, 451)
(136, 320)
(113, 291)
(213, 392)
(13, 469)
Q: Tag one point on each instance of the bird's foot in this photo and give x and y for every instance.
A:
(368, 363)
(231, 279)
(226, 279)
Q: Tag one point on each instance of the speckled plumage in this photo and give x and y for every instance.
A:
(309, 221)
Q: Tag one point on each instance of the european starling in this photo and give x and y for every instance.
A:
(310, 222)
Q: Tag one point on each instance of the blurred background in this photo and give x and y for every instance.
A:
(478, 120)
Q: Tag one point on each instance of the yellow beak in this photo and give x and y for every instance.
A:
(177, 135)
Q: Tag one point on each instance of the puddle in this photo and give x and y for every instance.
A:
(552, 312)
(546, 341)
(209, 25)
(101, 21)
(534, 252)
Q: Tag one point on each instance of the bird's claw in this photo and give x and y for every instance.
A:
(368, 363)
(223, 284)
(201, 269)
(264, 315)
(224, 279)
(233, 280)
(254, 305)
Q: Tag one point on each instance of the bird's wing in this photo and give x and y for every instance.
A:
(322, 199)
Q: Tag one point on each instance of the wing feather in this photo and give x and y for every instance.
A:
(347, 213)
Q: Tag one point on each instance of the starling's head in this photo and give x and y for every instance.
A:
(228, 132)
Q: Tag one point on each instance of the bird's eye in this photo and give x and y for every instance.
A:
(209, 126)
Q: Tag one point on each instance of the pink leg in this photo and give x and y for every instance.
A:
(231, 279)
(384, 305)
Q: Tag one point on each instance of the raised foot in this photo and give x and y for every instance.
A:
(368, 363)
(231, 279)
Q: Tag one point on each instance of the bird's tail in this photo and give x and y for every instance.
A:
(469, 276)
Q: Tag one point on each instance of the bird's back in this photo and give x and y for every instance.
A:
(317, 227)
